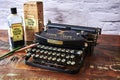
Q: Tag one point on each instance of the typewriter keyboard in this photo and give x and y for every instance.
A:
(55, 58)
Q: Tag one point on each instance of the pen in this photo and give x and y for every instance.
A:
(16, 50)
(9, 53)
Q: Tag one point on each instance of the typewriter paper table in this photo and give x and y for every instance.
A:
(104, 64)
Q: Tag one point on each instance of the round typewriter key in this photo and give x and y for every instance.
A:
(33, 55)
(41, 51)
(67, 56)
(79, 52)
(59, 49)
(46, 52)
(50, 48)
(36, 55)
(63, 50)
(33, 50)
(58, 60)
(41, 56)
(37, 50)
(63, 60)
(54, 53)
(67, 50)
(58, 54)
(38, 46)
(55, 48)
(68, 62)
(28, 50)
(45, 57)
(72, 51)
(63, 55)
(54, 58)
(28, 54)
(42, 46)
(73, 63)
(72, 56)
(49, 53)
(46, 47)
(49, 58)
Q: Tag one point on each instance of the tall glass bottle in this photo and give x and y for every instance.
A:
(16, 30)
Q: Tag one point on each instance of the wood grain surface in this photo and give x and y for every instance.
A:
(104, 64)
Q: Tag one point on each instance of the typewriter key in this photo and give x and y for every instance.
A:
(67, 50)
(46, 47)
(72, 51)
(68, 62)
(72, 56)
(45, 57)
(41, 56)
(58, 54)
(28, 54)
(37, 50)
(55, 48)
(50, 48)
(73, 63)
(38, 46)
(49, 58)
(54, 58)
(33, 50)
(46, 52)
(63, 50)
(49, 53)
(42, 46)
(28, 50)
(58, 60)
(36, 55)
(67, 56)
(79, 52)
(32, 55)
(54, 53)
(62, 55)
(59, 49)
(63, 60)
(41, 51)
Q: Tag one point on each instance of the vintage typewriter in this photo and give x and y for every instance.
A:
(62, 47)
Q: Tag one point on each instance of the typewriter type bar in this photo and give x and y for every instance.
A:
(74, 27)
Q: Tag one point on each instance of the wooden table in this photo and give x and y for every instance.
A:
(104, 64)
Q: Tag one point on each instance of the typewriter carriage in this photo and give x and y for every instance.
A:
(90, 34)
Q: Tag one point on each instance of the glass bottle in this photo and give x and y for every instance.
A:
(15, 30)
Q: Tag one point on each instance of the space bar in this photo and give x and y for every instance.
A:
(56, 65)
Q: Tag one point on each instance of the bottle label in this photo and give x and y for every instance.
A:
(17, 32)
(30, 23)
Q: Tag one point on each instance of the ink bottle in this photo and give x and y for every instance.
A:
(15, 30)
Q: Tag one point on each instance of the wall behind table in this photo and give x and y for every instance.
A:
(95, 13)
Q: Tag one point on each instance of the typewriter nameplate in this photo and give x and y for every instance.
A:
(55, 41)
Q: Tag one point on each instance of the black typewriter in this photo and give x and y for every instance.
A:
(62, 47)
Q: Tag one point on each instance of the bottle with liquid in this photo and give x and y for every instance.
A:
(15, 30)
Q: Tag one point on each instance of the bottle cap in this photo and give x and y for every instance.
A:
(13, 11)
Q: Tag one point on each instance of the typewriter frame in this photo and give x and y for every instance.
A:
(90, 35)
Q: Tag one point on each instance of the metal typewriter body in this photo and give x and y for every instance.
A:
(62, 47)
